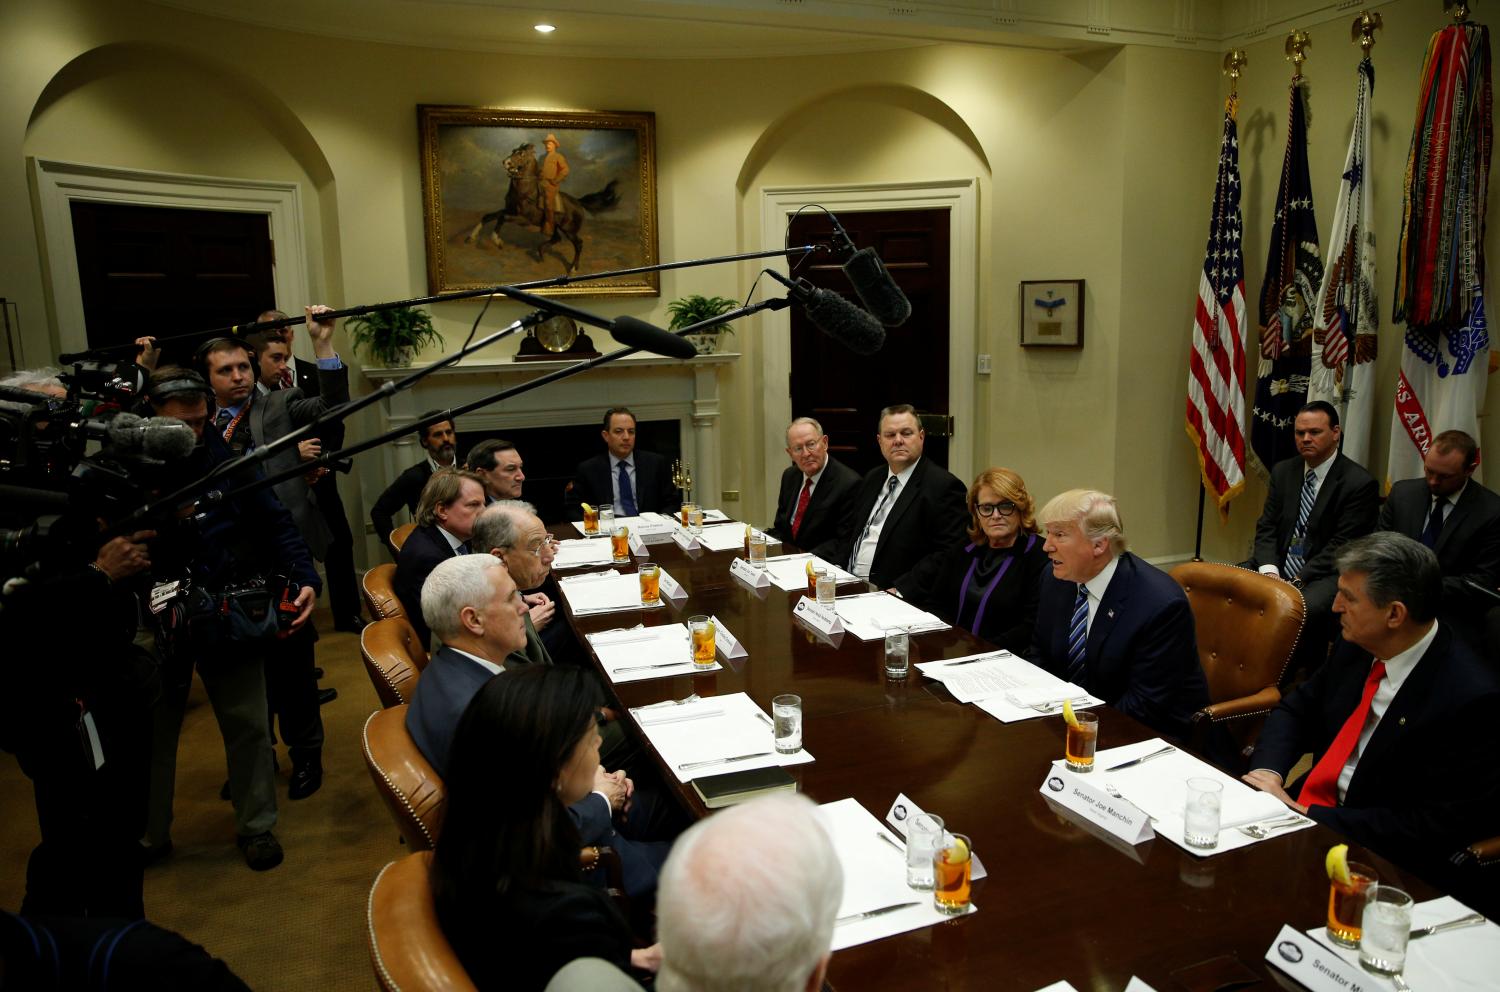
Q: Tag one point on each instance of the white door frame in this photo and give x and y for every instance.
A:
(57, 184)
(960, 197)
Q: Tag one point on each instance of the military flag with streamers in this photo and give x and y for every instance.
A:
(1346, 319)
(1440, 256)
(1216, 368)
(1294, 270)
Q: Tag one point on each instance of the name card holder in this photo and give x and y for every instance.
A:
(1080, 794)
(901, 813)
(670, 587)
(729, 646)
(1317, 967)
(758, 578)
(637, 547)
(684, 539)
(816, 617)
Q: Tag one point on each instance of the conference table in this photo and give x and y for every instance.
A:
(1062, 901)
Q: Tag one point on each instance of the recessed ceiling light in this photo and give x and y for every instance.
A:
(546, 28)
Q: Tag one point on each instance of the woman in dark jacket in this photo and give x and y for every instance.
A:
(505, 877)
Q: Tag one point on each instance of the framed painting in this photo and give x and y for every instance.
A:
(1052, 314)
(520, 196)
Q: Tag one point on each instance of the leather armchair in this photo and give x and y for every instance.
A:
(394, 659)
(379, 588)
(407, 947)
(400, 534)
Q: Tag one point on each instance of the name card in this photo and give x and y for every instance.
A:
(758, 578)
(670, 587)
(1318, 967)
(900, 814)
(729, 645)
(816, 617)
(1079, 794)
(684, 540)
(637, 548)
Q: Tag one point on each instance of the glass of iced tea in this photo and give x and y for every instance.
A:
(1346, 904)
(814, 573)
(590, 520)
(619, 544)
(950, 874)
(687, 512)
(1083, 737)
(758, 550)
(703, 645)
(650, 574)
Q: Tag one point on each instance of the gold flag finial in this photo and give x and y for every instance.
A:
(1297, 44)
(1458, 8)
(1235, 61)
(1364, 28)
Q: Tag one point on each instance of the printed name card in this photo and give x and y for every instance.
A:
(670, 587)
(1319, 968)
(729, 645)
(756, 577)
(900, 814)
(1080, 794)
(637, 548)
(822, 620)
(684, 539)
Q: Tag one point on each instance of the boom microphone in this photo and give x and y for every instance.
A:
(835, 316)
(162, 438)
(871, 280)
(634, 333)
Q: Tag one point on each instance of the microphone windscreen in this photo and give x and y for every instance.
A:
(877, 290)
(635, 333)
(168, 438)
(123, 432)
(844, 322)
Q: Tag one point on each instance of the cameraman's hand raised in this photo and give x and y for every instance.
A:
(122, 557)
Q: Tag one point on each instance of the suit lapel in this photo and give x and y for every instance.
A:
(1111, 604)
(907, 498)
(1416, 692)
(1456, 516)
(1325, 492)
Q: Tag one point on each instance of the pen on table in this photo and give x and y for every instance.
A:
(1145, 757)
(970, 661)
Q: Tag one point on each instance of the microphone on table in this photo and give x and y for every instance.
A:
(634, 333)
(871, 280)
(835, 316)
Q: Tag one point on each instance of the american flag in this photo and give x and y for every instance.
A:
(1216, 369)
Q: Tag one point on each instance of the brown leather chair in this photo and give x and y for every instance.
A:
(379, 587)
(394, 658)
(407, 947)
(400, 534)
(1247, 625)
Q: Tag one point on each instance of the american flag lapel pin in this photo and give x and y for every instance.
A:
(1110, 614)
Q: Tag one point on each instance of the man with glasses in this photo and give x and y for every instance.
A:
(816, 489)
(908, 511)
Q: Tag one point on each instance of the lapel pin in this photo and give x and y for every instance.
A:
(1110, 614)
(1401, 722)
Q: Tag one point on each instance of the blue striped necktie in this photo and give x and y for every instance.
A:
(1296, 552)
(1078, 635)
(627, 498)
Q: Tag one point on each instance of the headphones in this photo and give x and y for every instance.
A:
(180, 384)
(200, 357)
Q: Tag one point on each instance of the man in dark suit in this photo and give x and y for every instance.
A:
(633, 481)
(1458, 519)
(474, 606)
(1400, 722)
(1111, 623)
(441, 444)
(909, 509)
(450, 502)
(499, 463)
(817, 489)
(1317, 501)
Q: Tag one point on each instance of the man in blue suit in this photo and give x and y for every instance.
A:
(632, 481)
(1111, 623)
(473, 605)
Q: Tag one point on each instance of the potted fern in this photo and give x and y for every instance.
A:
(689, 310)
(391, 337)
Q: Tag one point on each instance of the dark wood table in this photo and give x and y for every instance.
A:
(1062, 901)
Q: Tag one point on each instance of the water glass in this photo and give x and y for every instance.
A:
(758, 549)
(897, 654)
(695, 520)
(606, 518)
(1200, 817)
(1385, 929)
(923, 835)
(827, 588)
(786, 712)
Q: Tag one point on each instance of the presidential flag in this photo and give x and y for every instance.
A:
(1347, 318)
(1440, 256)
(1294, 270)
(1216, 368)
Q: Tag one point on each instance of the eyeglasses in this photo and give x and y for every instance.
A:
(802, 449)
(1005, 509)
(535, 547)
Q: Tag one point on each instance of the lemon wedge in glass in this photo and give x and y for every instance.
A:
(956, 853)
(1068, 713)
(1337, 864)
(587, 508)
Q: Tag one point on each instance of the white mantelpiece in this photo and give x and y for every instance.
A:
(655, 388)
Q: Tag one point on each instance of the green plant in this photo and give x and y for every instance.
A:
(391, 336)
(689, 310)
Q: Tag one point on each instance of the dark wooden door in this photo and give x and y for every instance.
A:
(164, 271)
(844, 391)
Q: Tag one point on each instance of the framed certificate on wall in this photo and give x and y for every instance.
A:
(1052, 313)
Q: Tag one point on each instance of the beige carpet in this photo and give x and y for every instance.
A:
(298, 926)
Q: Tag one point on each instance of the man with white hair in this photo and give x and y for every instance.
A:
(765, 926)
(1112, 624)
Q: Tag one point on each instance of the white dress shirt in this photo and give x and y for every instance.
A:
(453, 542)
(1096, 587)
(866, 555)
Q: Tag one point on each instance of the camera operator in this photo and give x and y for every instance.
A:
(240, 567)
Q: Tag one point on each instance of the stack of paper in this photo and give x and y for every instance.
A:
(646, 653)
(703, 733)
(874, 878)
(870, 615)
(604, 592)
(1005, 686)
(789, 572)
(728, 537)
(581, 552)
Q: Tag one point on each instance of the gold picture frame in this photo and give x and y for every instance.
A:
(1052, 313)
(487, 183)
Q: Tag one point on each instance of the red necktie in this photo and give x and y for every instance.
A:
(1322, 785)
(801, 510)
(285, 377)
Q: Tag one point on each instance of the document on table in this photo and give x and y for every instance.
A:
(648, 524)
(581, 551)
(727, 537)
(1450, 961)
(1159, 787)
(874, 877)
(789, 572)
(604, 592)
(1005, 686)
(646, 653)
(712, 729)
(870, 615)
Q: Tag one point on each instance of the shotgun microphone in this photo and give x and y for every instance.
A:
(835, 316)
(871, 280)
(634, 333)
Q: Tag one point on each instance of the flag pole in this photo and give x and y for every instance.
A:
(1361, 33)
